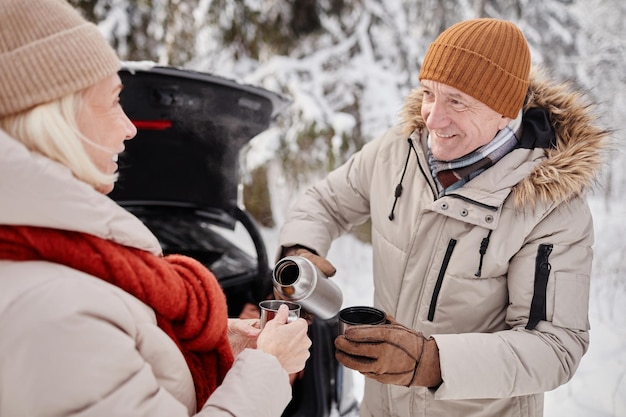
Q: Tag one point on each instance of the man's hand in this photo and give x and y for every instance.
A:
(321, 263)
(391, 354)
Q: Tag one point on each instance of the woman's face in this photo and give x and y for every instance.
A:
(105, 125)
(457, 123)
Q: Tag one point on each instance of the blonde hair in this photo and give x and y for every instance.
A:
(51, 129)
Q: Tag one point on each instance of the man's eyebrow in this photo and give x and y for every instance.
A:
(457, 95)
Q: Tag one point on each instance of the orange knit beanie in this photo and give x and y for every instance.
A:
(47, 51)
(488, 59)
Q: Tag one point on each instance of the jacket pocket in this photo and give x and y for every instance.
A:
(442, 273)
(571, 301)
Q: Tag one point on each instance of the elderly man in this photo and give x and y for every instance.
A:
(480, 230)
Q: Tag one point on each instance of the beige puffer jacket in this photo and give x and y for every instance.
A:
(72, 344)
(464, 268)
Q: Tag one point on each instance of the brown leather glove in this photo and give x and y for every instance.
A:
(321, 263)
(391, 354)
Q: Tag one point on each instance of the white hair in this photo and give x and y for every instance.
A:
(51, 129)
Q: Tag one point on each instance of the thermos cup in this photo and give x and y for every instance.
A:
(360, 315)
(295, 278)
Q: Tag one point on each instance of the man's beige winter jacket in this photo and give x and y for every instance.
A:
(497, 271)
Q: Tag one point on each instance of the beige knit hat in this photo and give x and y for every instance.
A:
(47, 51)
(488, 59)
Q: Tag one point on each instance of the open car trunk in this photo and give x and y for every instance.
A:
(180, 176)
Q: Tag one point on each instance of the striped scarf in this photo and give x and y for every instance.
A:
(450, 175)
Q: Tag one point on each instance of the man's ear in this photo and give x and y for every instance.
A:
(504, 122)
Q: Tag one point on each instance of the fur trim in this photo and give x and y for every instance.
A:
(569, 169)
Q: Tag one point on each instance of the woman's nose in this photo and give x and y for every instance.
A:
(131, 129)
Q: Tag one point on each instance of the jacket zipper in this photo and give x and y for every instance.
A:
(442, 272)
(427, 177)
(542, 273)
(469, 200)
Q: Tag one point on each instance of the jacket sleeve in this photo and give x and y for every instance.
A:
(256, 385)
(531, 358)
(332, 206)
(78, 347)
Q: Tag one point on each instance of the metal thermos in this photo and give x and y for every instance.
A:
(297, 279)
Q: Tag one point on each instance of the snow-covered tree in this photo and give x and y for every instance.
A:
(348, 64)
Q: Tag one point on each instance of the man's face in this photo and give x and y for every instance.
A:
(458, 123)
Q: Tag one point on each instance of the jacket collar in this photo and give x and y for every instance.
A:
(37, 191)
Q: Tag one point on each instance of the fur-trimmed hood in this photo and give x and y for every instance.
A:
(573, 165)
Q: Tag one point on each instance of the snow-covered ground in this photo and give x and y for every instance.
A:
(598, 388)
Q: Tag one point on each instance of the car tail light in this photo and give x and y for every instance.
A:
(152, 124)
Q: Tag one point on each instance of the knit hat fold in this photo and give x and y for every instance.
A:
(47, 51)
(488, 59)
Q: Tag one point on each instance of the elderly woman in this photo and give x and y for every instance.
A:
(94, 320)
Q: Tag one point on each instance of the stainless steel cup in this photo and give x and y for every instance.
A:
(295, 278)
(269, 308)
(359, 315)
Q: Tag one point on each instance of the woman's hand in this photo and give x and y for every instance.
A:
(288, 342)
(243, 334)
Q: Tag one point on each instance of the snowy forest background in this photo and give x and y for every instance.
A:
(347, 66)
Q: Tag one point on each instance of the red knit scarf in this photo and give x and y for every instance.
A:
(189, 303)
